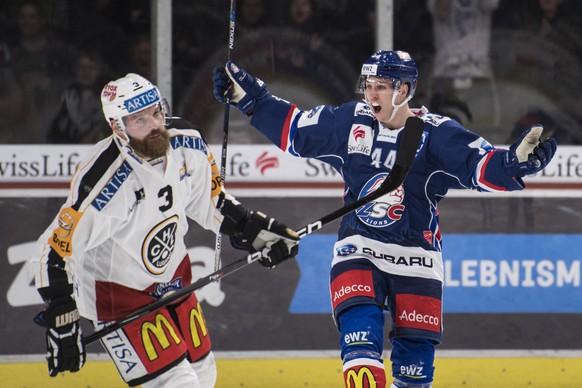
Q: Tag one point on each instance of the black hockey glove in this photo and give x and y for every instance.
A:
(273, 238)
(528, 154)
(246, 90)
(64, 339)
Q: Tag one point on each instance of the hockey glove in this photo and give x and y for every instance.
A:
(64, 339)
(246, 90)
(528, 155)
(274, 239)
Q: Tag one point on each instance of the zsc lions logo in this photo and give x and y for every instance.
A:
(159, 244)
(386, 210)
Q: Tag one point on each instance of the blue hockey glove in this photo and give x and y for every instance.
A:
(64, 339)
(246, 89)
(528, 155)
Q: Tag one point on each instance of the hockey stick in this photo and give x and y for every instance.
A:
(226, 119)
(409, 143)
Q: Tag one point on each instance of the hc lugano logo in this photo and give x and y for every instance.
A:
(159, 244)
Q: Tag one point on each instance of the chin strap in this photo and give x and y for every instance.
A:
(121, 140)
(395, 106)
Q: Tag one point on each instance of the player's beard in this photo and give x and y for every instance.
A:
(151, 148)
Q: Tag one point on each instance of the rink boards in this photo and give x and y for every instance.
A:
(512, 266)
(323, 370)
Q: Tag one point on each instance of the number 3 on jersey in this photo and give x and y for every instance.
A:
(166, 194)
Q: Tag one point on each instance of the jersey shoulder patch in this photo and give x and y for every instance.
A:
(361, 139)
(310, 117)
(112, 186)
(363, 109)
(434, 119)
(190, 138)
(99, 166)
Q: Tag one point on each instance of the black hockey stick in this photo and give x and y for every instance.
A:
(226, 119)
(409, 143)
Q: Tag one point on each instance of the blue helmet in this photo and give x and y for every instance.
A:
(398, 66)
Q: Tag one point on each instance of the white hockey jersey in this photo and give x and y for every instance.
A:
(121, 230)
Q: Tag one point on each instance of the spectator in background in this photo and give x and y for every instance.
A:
(558, 22)
(330, 14)
(358, 39)
(41, 62)
(540, 52)
(80, 118)
(462, 34)
(138, 17)
(302, 18)
(4, 21)
(140, 57)
(11, 98)
(557, 125)
(101, 25)
(252, 15)
(411, 16)
(462, 65)
(194, 43)
(451, 106)
(303, 15)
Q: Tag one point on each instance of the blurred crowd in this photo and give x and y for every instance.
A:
(494, 65)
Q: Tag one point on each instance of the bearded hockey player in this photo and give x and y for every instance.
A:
(117, 244)
(388, 252)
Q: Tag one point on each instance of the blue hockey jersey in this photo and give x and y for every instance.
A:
(363, 151)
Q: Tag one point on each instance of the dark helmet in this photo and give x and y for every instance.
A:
(397, 66)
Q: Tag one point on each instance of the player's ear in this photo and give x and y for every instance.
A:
(403, 92)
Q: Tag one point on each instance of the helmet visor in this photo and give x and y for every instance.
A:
(372, 82)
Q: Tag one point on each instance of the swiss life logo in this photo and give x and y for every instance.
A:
(360, 139)
(265, 162)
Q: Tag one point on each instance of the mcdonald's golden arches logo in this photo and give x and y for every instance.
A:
(361, 378)
(157, 330)
(197, 320)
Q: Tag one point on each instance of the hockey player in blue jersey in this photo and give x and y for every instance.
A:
(388, 252)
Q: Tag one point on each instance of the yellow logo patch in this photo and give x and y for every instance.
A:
(62, 237)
